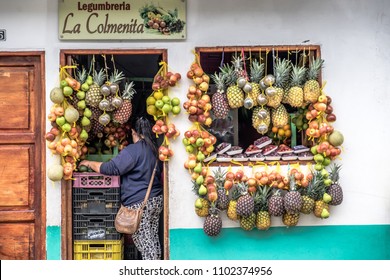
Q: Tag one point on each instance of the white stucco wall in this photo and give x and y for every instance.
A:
(354, 36)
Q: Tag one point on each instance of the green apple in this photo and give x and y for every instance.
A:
(199, 142)
(63, 83)
(60, 121)
(66, 127)
(67, 90)
(313, 150)
(326, 161)
(159, 104)
(175, 101)
(166, 99)
(189, 149)
(176, 110)
(166, 108)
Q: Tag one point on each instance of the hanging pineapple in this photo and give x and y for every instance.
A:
(219, 101)
(123, 113)
(311, 89)
(282, 69)
(263, 217)
(93, 96)
(235, 95)
(279, 116)
(257, 72)
(295, 93)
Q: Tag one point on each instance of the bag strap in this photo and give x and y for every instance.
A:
(150, 186)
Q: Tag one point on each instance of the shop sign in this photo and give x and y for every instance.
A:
(122, 20)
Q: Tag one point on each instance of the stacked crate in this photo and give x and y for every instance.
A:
(96, 200)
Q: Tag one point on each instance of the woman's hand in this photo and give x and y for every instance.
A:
(94, 165)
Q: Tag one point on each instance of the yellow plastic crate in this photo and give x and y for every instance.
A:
(98, 250)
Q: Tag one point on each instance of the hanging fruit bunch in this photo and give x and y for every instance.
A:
(198, 105)
(160, 105)
(68, 134)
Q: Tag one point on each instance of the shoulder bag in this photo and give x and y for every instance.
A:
(127, 220)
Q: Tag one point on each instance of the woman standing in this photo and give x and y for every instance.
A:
(135, 164)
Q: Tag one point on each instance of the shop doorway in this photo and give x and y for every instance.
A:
(139, 67)
(22, 156)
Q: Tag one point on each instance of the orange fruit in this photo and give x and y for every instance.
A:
(274, 129)
(281, 132)
(286, 127)
(287, 133)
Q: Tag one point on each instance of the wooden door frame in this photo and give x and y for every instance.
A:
(40, 147)
(66, 186)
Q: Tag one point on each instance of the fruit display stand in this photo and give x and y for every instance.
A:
(290, 170)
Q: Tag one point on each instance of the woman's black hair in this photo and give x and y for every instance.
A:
(143, 127)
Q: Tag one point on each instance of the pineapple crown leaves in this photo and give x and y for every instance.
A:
(219, 80)
(99, 77)
(116, 76)
(314, 68)
(235, 192)
(219, 176)
(298, 74)
(335, 172)
(310, 189)
(82, 75)
(229, 74)
(214, 210)
(257, 71)
(242, 188)
(128, 91)
(319, 187)
(282, 69)
(261, 198)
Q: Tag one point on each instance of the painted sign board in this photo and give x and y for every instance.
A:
(122, 20)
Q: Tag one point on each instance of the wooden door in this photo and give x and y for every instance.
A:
(22, 156)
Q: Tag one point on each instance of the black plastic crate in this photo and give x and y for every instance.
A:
(94, 227)
(130, 251)
(96, 200)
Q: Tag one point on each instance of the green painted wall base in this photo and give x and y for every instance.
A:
(360, 242)
(53, 243)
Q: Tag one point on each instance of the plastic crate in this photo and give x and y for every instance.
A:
(103, 157)
(130, 251)
(94, 227)
(96, 200)
(95, 180)
(98, 250)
